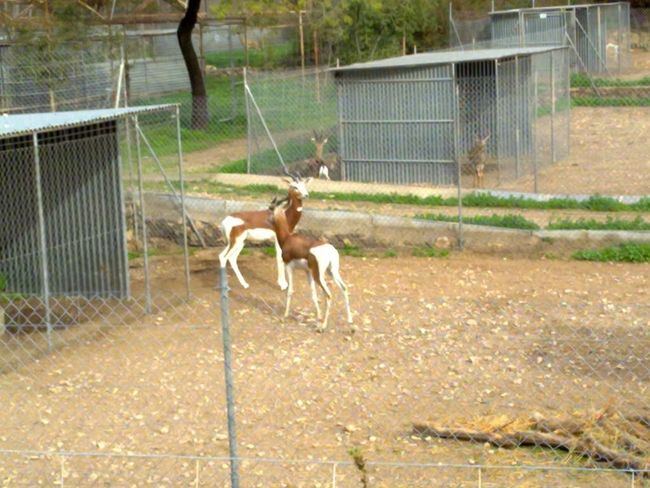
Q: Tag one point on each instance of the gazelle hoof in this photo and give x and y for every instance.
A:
(246, 285)
(283, 286)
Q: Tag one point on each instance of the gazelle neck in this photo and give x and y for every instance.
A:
(294, 211)
(281, 226)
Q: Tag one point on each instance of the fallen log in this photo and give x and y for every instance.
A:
(585, 446)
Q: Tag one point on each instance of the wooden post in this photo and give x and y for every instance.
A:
(302, 42)
(316, 63)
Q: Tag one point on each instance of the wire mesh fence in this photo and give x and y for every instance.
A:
(458, 370)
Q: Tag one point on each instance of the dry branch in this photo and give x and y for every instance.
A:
(586, 446)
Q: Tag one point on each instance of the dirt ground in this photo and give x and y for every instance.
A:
(434, 340)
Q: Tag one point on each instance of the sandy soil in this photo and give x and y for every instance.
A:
(434, 340)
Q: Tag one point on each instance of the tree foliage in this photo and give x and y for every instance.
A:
(355, 30)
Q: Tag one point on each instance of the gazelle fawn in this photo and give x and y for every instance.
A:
(477, 159)
(317, 257)
(257, 226)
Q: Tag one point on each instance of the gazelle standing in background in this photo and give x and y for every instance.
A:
(477, 159)
(319, 165)
(257, 226)
(316, 257)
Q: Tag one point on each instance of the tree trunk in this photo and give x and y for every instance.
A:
(200, 115)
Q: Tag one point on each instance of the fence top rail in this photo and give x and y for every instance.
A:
(556, 8)
(22, 124)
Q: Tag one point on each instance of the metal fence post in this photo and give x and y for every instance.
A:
(498, 135)
(517, 116)
(248, 124)
(230, 395)
(535, 109)
(552, 79)
(184, 215)
(43, 240)
(143, 216)
(456, 132)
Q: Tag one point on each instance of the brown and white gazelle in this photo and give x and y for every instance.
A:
(257, 226)
(316, 257)
(318, 163)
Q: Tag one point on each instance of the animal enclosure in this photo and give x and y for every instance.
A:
(413, 119)
(598, 34)
(72, 217)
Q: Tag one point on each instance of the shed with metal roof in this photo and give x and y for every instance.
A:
(63, 225)
(414, 119)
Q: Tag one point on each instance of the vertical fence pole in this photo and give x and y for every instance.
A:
(498, 135)
(248, 124)
(62, 471)
(567, 98)
(143, 219)
(535, 109)
(480, 478)
(230, 395)
(517, 116)
(456, 132)
(618, 38)
(302, 44)
(186, 255)
(334, 475)
(552, 79)
(45, 277)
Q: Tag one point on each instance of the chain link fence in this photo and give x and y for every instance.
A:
(458, 370)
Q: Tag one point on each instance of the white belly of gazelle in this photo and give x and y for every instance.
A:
(260, 234)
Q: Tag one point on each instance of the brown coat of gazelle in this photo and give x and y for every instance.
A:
(477, 159)
(257, 226)
(316, 257)
(318, 164)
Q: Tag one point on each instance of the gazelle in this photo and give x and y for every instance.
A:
(316, 257)
(478, 158)
(257, 226)
(318, 164)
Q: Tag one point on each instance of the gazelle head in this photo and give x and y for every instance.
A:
(481, 141)
(297, 185)
(319, 141)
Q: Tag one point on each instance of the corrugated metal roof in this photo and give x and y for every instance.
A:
(557, 7)
(446, 57)
(20, 124)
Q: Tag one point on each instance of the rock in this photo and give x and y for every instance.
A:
(442, 242)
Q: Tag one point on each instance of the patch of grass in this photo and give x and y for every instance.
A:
(610, 102)
(389, 253)
(233, 167)
(509, 221)
(271, 56)
(260, 188)
(245, 252)
(642, 205)
(591, 224)
(430, 252)
(628, 253)
(151, 251)
(352, 250)
(430, 201)
(581, 80)
(269, 251)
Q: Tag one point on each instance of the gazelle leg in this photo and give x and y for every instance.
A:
(314, 294)
(232, 259)
(289, 272)
(222, 255)
(328, 298)
(282, 280)
(341, 284)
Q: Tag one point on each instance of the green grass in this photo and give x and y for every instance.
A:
(272, 56)
(269, 251)
(595, 203)
(580, 80)
(234, 167)
(430, 252)
(389, 253)
(610, 102)
(353, 251)
(591, 224)
(508, 221)
(628, 253)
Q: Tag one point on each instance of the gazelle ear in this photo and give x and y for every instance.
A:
(325, 141)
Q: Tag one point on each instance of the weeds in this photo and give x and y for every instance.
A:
(509, 221)
(591, 224)
(360, 464)
(430, 252)
(628, 253)
(352, 251)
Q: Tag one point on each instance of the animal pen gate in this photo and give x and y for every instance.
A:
(413, 119)
(598, 34)
(75, 213)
